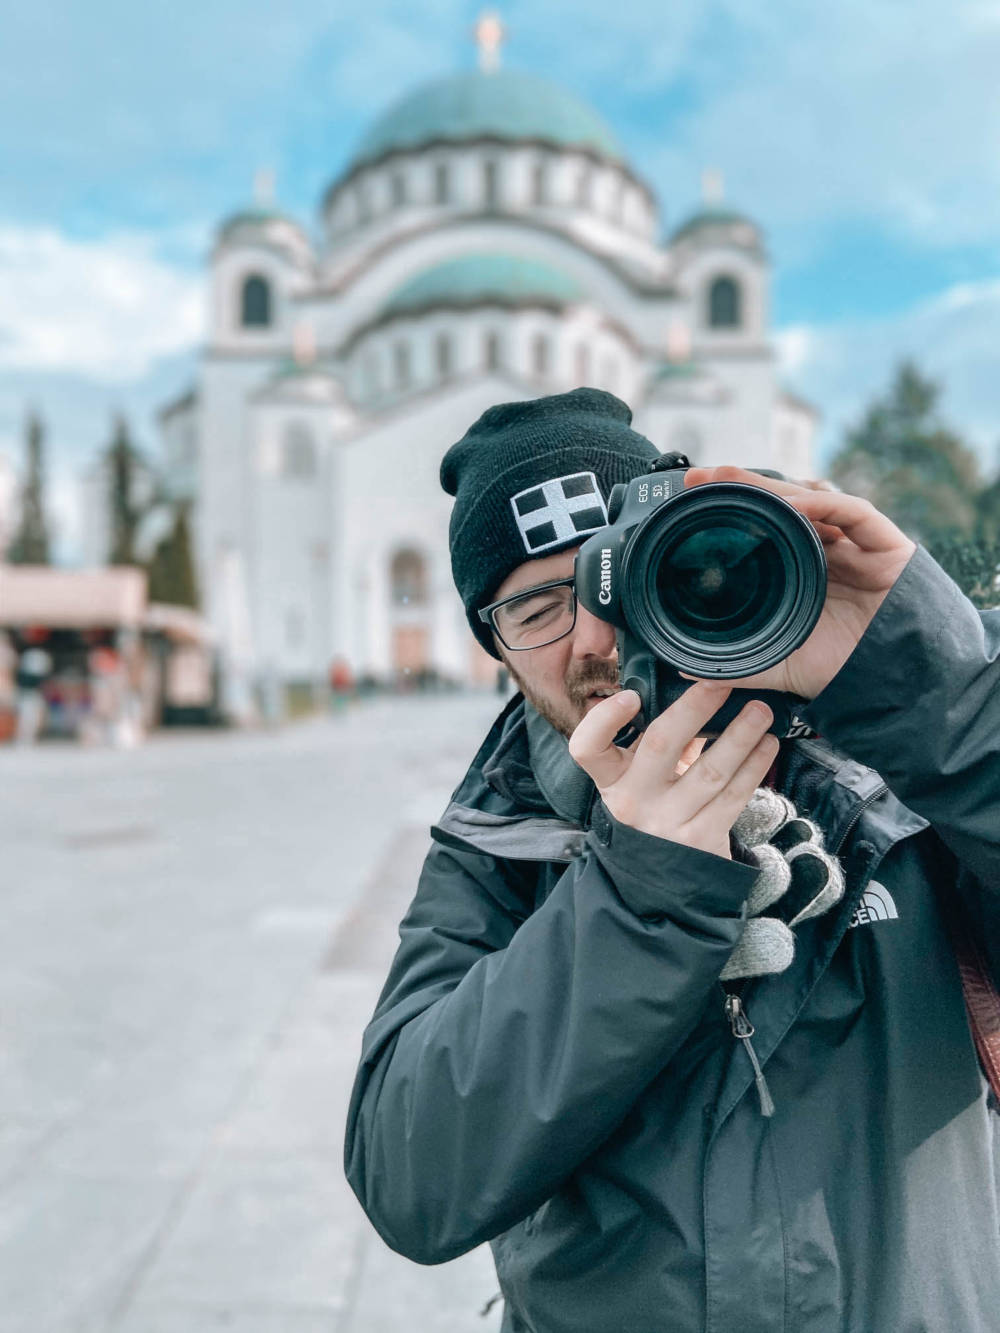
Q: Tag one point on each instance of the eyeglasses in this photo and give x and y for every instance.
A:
(533, 618)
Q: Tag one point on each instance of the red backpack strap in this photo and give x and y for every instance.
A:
(981, 1001)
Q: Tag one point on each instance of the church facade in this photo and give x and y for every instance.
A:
(488, 241)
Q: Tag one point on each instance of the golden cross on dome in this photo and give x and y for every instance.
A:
(263, 187)
(490, 34)
(713, 187)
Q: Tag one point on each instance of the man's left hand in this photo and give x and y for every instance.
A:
(865, 554)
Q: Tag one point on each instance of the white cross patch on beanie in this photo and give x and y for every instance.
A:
(555, 512)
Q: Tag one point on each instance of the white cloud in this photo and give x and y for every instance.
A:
(952, 337)
(104, 308)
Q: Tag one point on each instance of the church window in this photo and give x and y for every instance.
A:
(582, 364)
(441, 183)
(408, 578)
(584, 183)
(298, 455)
(540, 354)
(398, 189)
(369, 371)
(364, 203)
(295, 627)
(491, 184)
(617, 209)
(255, 302)
(492, 351)
(401, 364)
(539, 184)
(442, 355)
(724, 301)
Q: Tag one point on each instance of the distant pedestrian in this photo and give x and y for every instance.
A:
(107, 692)
(33, 670)
(341, 683)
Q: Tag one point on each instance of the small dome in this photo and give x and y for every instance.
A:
(502, 104)
(737, 226)
(255, 225)
(472, 279)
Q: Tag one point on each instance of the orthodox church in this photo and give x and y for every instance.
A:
(488, 240)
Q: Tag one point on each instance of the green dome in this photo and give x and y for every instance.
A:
(712, 217)
(474, 278)
(502, 104)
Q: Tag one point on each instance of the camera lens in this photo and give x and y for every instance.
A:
(724, 580)
(722, 583)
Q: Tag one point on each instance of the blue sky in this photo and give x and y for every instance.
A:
(863, 136)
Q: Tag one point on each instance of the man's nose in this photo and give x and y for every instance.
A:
(592, 637)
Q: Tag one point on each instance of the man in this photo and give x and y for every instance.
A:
(554, 1065)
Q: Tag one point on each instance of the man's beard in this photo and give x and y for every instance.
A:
(580, 682)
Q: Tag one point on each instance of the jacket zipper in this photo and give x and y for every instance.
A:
(869, 800)
(743, 1030)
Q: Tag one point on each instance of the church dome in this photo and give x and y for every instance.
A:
(711, 223)
(501, 104)
(474, 279)
(267, 226)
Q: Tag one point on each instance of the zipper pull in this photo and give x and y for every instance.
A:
(743, 1030)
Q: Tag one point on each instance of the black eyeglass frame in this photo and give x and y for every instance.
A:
(487, 613)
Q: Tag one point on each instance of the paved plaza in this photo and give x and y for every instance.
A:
(192, 936)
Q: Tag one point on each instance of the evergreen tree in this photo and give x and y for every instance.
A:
(909, 464)
(927, 480)
(171, 569)
(124, 513)
(31, 541)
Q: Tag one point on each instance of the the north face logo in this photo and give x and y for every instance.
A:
(876, 905)
(557, 511)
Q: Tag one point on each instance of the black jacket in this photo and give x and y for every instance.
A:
(550, 1067)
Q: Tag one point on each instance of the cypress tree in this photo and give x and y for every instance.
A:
(31, 541)
(124, 514)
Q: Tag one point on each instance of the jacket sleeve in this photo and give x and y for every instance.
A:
(919, 700)
(507, 1046)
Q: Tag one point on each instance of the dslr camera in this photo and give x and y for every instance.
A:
(721, 581)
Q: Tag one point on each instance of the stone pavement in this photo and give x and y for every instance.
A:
(192, 937)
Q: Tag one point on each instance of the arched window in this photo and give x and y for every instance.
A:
(441, 184)
(442, 355)
(255, 302)
(398, 189)
(370, 375)
(401, 364)
(616, 204)
(584, 183)
(539, 184)
(491, 184)
(298, 453)
(492, 354)
(295, 627)
(364, 203)
(540, 354)
(408, 578)
(724, 301)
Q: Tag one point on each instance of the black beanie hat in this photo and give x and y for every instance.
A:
(530, 479)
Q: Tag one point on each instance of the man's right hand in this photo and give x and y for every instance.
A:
(663, 784)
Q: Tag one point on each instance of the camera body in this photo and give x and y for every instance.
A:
(721, 581)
